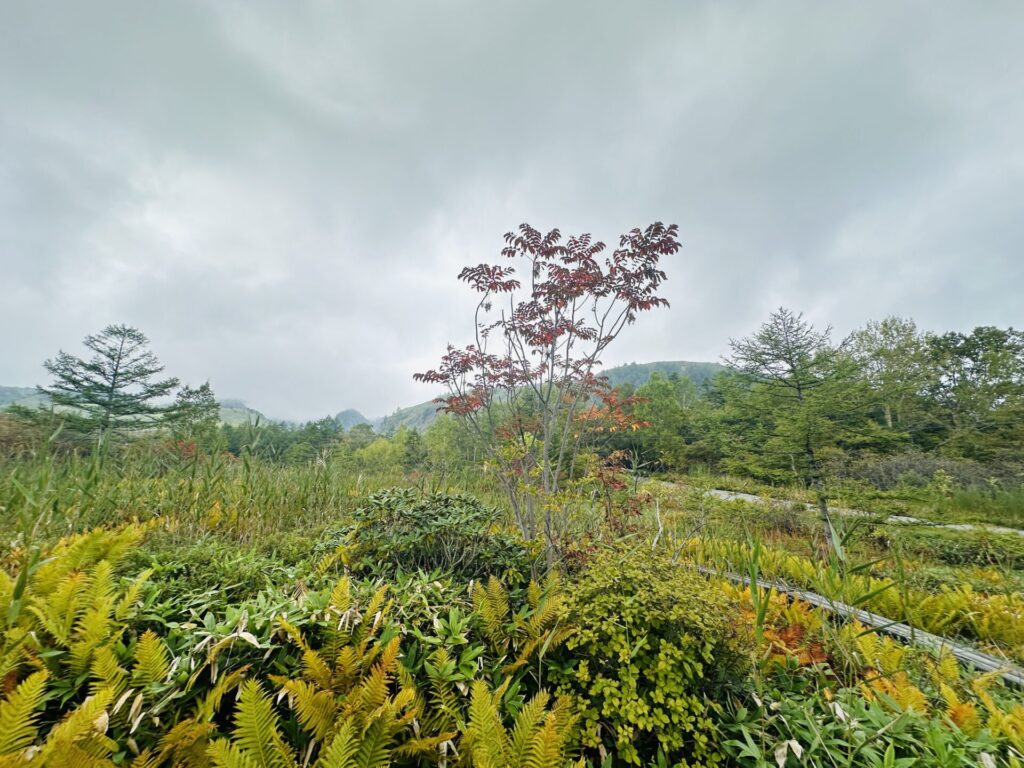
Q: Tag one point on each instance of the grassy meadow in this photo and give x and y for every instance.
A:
(222, 610)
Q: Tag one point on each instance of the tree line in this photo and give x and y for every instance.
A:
(795, 405)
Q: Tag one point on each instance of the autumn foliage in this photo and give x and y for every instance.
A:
(543, 321)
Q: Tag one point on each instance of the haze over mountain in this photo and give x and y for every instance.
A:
(422, 415)
(234, 411)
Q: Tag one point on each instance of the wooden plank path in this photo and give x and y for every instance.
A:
(1010, 672)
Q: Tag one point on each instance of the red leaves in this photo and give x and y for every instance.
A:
(487, 278)
(576, 303)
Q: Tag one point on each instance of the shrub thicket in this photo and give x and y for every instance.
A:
(652, 646)
(400, 528)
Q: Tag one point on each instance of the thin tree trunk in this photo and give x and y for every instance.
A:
(814, 475)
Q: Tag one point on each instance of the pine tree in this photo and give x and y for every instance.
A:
(115, 388)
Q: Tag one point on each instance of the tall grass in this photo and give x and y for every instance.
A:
(997, 506)
(48, 496)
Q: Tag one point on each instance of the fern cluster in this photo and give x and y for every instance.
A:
(85, 686)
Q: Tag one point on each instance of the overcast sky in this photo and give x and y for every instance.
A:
(280, 195)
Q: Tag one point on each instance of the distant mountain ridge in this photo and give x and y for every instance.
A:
(350, 417)
(233, 412)
(27, 396)
(422, 415)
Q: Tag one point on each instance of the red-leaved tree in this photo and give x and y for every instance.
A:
(542, 323)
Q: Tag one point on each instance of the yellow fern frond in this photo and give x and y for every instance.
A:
(208, 706)
(341, 596)
(256, 730)
(81, 737)
(18, 713)
(316, 709)
(493, 606)
(186, 743)
(107, 672)
(152, 662)
(525, 728)
(224, 754)
(58, 609)
(126, 605)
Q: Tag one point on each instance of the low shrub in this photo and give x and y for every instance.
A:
(651, 646)
(235, 571)
(402, 529)
(847, 729)
(959, 547)
(914, 469)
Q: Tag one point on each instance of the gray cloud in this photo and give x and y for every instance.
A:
(281, 195)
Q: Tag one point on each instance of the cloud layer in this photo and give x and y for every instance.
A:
(281, 194)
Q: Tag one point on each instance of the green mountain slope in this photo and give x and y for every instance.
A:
(350, 417)
(27, 396)
(638, 373)
(418, 417)
(237, 413)
(422, 415)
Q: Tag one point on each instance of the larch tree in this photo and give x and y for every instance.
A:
(116, 388)
(800, 385)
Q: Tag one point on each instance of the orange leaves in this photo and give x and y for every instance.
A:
(791, 642)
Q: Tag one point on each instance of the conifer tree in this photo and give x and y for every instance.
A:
(116, 388)
(805, 387)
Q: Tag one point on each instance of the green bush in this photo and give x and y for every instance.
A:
(960, 547)
(231, 569)
(651, 645)
(403, 529)
(795, 728)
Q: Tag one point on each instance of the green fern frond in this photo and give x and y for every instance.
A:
(374, 745)
(445, 711)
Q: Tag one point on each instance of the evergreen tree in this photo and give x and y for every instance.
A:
(195, 417)
(115, 388)
(803, 388)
